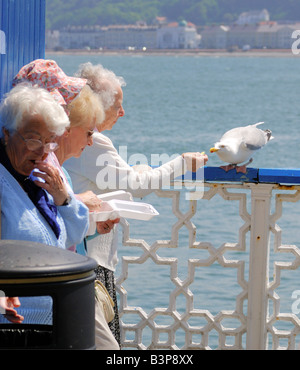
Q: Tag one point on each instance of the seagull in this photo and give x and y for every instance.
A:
(239, 144)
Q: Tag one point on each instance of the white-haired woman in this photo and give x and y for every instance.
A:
(34, 210)
(85, 172)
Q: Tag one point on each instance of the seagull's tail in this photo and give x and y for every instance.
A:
(269, 135)
(268, 132)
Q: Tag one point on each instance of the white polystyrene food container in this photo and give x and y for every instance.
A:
(116, 208)
(119, 194)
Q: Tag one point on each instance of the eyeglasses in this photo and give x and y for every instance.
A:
(33, 144)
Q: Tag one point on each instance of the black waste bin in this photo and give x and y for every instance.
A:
(30, 269)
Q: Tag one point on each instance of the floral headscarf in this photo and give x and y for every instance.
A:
(47, 74)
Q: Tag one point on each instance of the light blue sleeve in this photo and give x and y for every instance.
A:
(76, 219)
(67, 176)
(82, 248)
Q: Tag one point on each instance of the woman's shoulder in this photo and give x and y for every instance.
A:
(5, 176)
(101, 139)
(101, 145)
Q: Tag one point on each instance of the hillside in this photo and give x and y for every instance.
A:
(62, 13)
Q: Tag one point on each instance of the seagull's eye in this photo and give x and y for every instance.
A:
(222, 146)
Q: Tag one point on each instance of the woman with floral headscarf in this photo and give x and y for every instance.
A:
(82, 106)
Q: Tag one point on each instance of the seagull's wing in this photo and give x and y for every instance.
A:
(252, 137)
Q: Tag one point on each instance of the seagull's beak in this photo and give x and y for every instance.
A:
(212, 150)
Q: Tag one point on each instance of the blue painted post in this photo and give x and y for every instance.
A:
(22, 37)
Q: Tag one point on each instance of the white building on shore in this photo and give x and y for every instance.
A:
(111, 37)
(270, 35)
(182, 35)
(215, 37)
(253, 17)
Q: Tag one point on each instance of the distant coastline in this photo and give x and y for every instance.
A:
(183, 52)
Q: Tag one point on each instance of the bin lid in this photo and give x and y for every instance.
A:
(24, 259)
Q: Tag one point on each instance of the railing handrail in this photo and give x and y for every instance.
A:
(252, 175)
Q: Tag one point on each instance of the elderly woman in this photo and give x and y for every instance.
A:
(85, 173)
(84, 112)
(41, 211)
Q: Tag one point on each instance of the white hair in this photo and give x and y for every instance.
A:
(102, 81)
(25, 99)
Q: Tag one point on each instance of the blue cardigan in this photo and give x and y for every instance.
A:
(21, 220)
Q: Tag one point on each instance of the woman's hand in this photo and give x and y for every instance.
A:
(105, 227)
(91, 200)
(8, 304)
(195, 160)
(53, 182)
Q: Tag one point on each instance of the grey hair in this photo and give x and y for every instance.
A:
(25, 99)
(102, 81)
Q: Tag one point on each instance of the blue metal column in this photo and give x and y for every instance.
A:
(22, 37)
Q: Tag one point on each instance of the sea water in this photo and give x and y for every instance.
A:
(176, 104)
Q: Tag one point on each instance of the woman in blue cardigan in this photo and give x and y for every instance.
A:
(40, 210)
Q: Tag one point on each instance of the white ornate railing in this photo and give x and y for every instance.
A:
(255, 320)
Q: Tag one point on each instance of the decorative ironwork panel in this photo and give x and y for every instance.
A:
(182, 320)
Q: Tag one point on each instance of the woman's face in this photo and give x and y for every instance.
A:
(113, 113)
(21, 158)
(79, 137)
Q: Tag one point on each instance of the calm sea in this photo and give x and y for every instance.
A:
(176, 104)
